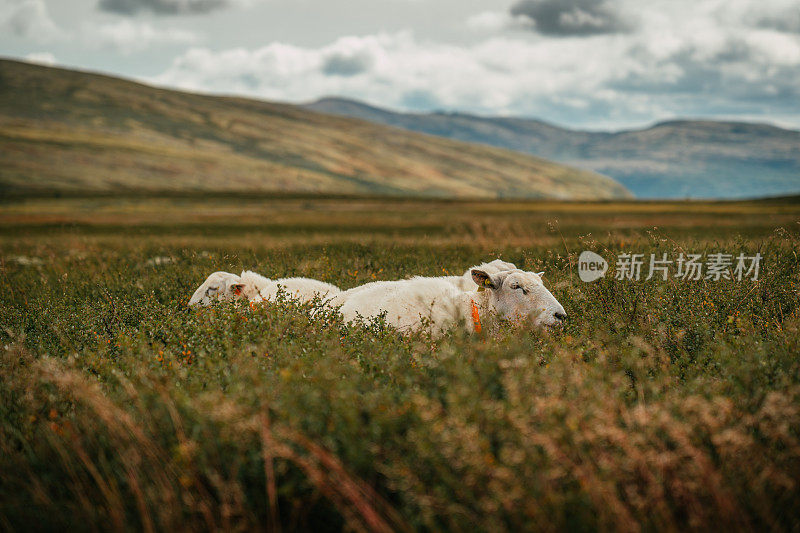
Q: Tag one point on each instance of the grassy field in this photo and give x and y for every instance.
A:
(661, 405)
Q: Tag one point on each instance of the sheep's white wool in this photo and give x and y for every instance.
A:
(465, 282)
(412, 304)
(258, 288)
(221, 286)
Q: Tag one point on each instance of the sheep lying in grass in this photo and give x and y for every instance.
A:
(463, 282)
(496, 287)
(222, 286)
(411, 304)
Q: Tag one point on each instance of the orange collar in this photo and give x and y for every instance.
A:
(476, 318)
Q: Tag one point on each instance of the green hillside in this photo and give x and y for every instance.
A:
(71, 131)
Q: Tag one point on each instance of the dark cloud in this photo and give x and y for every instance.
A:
(570, 17)
(787, 22)
(346, 65)
(420, 99)
(250, 80)
(713, 84)
(162, 7)
(20, 23)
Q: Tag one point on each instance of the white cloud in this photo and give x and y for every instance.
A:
(601, 80)
(675, 57)
(496, 21)
(28, 19)
(31, 20)
(130, 36)
(41, 58)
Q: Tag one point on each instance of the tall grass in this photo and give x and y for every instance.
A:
(661, 405)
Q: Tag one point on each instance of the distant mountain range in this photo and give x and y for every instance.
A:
(73, 132)
(676, 159)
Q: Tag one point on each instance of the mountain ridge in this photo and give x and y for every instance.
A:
(675, 158)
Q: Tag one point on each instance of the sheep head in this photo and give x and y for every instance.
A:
(520, 296)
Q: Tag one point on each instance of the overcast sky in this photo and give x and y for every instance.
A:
(604, 64)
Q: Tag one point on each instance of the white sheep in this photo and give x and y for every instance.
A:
(221, 286)
(408, 305)
(463, 282)
(301, 289)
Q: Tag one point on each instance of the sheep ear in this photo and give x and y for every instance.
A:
(236, 288)
(540, 274)
(482, 279)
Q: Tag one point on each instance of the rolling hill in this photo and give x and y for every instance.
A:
(70, 131)
(677, 159)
